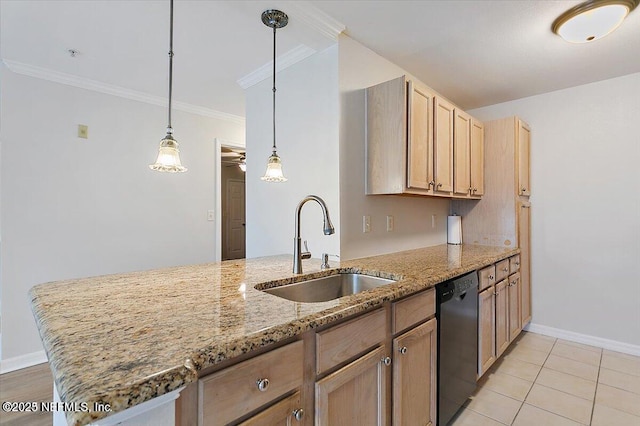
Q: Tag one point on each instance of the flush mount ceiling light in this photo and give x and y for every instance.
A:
(592, 20)
(169, 155)
(274, 19)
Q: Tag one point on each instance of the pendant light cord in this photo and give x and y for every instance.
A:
(169, 128)
(274, 90)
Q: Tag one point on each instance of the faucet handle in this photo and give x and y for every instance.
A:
(306, 254)
(325, 260)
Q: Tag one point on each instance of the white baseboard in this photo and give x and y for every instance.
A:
(23, 361)
(611, 345)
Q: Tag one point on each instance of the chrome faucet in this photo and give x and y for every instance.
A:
(328, 229)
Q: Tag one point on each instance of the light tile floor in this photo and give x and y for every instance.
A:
(543, 381)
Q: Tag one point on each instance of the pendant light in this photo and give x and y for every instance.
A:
(169, 155)
(592, 20)
(274, 19)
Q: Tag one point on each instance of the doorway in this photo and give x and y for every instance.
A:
(232, 202)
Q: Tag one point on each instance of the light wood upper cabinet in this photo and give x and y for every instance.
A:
(355, 394)
(414, 376)
(443, 145)
(477, 158)
(420, 138)
(523, 134)
(462, 153)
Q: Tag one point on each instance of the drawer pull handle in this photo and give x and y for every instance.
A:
(490, 277)
(403, 350)
(386, 361)
(517, 263)
(298, 414)
(505, 269)
(263, 384)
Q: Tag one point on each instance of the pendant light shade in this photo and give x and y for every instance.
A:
(274, 19)
(168, 154)
(592, 20)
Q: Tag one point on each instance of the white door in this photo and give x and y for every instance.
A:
(235, 223)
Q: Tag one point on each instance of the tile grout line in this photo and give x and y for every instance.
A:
(534, 382)
(595, 394)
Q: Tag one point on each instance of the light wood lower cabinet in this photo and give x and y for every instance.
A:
(486, 329)
(355, 394)
(284, 413)
(499, 311)
(414, 376)
(377, 368)
(502, 317)
(515, 324)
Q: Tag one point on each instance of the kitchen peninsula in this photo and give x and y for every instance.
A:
(126, 339)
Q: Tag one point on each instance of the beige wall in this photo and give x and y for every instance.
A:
(585, 216)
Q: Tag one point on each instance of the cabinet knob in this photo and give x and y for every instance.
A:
(505, 269)
(524, 189)
(386, 361)
(475, 190)
(403, 350)
(439, 185)
(491, 277)
(517, 263)
(432, 183)
(263, 384)
(298, 414)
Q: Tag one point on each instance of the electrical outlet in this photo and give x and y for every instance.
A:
(366, 223)
(83, 131)
(389, 223)
(211, 215)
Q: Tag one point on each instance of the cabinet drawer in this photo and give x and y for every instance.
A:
(486, 277)
(279, 414)
(413, 309)
(514, 263)
(233, 392)
(502, 270)
(344, 341)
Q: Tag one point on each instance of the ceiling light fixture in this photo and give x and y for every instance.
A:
(592, 20)
(168, 154)
(274, 19)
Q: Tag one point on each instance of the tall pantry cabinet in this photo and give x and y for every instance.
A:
(503, 216)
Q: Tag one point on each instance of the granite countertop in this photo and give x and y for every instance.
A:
(125, 339)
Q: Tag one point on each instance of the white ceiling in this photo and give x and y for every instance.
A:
(474, 52)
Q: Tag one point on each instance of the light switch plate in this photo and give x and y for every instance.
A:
(211, 215)
(389, 223)
(83, 131)
(366, 223)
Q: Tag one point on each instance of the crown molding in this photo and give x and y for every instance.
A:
(316, 19)
(110, 89)
(284, 61)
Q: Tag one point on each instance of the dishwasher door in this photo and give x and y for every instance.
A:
(457, 314)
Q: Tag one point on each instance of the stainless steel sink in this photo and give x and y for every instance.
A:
(328, 288)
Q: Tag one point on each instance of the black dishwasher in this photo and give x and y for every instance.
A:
(457, 314)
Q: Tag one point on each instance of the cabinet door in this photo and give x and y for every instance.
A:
(524, 242)
(486, 330)
(515, 325)
(477, 158)
(443, 145)
(414, 376)
(523, 147)
(355, 394)
(284, 413)
(461, 153)
(502, 317)
(420, 138)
